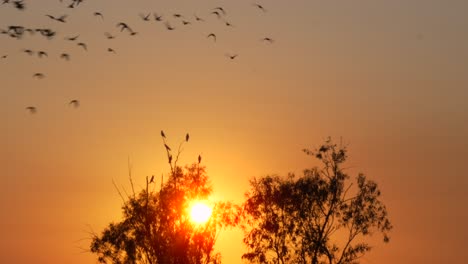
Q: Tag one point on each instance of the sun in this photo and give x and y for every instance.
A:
(200, 212)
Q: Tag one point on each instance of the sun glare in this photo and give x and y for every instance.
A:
(200, 212)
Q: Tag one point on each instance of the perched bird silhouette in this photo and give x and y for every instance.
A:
(31, 109)
(72, 38)
(65, 56)
(75, 103)
(199, 159)
(83, 45)
(213, 35)
(167, 147)
(152, 179)
(162, 134)
(39, 75)
(170, 158)
(187, 137)
(98, 14)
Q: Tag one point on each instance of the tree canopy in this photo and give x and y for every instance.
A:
(319, 217)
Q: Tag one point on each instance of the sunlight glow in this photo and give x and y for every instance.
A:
(200, 212)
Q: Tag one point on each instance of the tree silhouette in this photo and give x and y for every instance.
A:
(156, 226)
(320, 217)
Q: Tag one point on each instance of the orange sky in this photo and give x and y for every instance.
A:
(390, 77)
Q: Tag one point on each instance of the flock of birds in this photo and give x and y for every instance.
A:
(18, 32)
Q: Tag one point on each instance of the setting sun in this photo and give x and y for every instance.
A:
(200, 212)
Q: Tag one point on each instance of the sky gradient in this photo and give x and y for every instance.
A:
(389, 77)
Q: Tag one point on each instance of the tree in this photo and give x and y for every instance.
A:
(156, 226)
(320, 217)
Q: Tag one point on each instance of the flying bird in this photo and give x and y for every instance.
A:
(4, 56)
(75, 103)
(157, 17)
(216, 13)
(98, 14)
(123, 26)
(83, 45)
(72, 38)
(197, 18)
(111, 50)
(31, 109)
(220, 9)
(65, 56)
(213, 35)
(41, 54)
(145, 17)
(168, 26)
(109, 36)
(269, 40)
(260, 7)
(178, 15)
(19, 5)
(232, 56)
(28, 51)
(39, 75)
(186, 22)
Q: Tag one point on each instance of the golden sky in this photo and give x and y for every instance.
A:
(390, 77)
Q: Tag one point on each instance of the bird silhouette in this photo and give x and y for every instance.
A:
(109, 36)
(31, 109)
(4, 56)
(41, 54)
(187, 137)
(72, 38)
(98, 14)
(39, 75)
(168, 26)
(75, 103)
(65, 56)
(197, 18)
(19, 5)
(220, 9)
(157, 17)
(170, 158)
(216, 13)
(199, 159)
(267, 39)
(59, 19)
(213, 35)
(111, 50)
(186, 22)
(232, 56)
(145, 17)
(162, 134)
(123, 26)
(28, 51)
(83, 45)
(152, 179)
(177, 15)
(260, 7)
